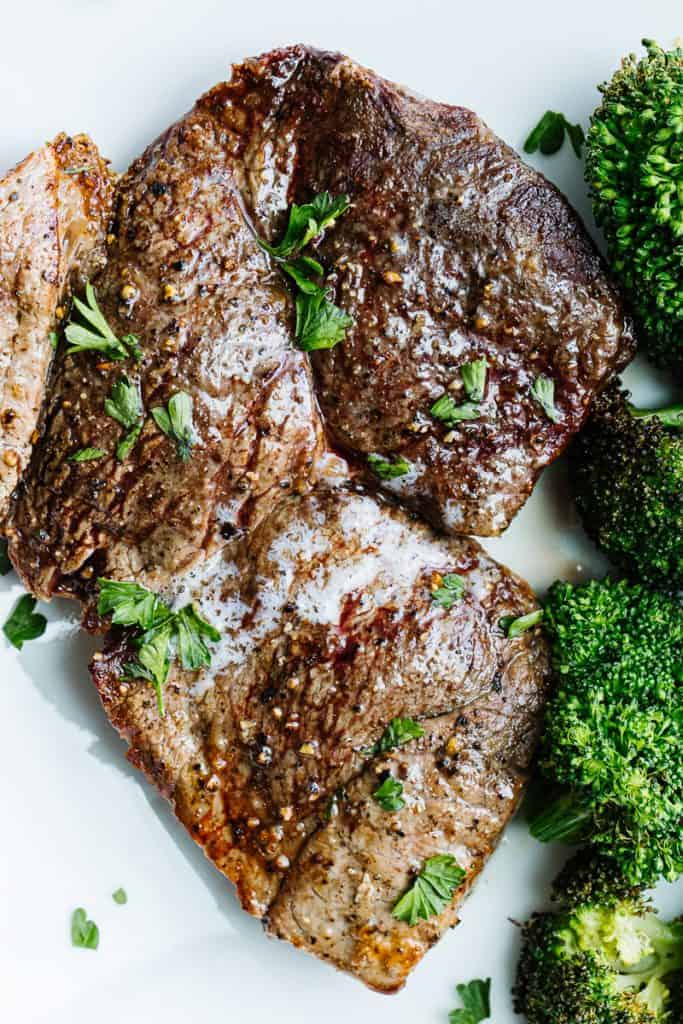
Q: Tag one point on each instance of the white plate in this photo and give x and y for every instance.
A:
(77, 821)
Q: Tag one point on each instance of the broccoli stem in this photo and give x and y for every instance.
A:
(671, 416)
(563, 819)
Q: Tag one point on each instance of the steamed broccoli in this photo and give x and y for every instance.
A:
(627, 475)
(613, 740)
(608, 960)
(634, 171)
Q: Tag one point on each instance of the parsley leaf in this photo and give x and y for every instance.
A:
(390, 794)
(319, 323)
(446, 410)
(549, 133)
(474, 378)
(303, 271)
(53, 338)
(451, 590)
(513, 627)
(120, 897)
(191, 628)
(87, 454)
(386, 470)
(543, 390)
(23, 623)
(125, 406)
(306, 222)
(131, 604)
(154, 659)
(5, 564)
(432, 890)
(398, 732)
(476, 1000)
(98, 336)
(176, 422)
(84, 933)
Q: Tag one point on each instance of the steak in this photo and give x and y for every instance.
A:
(186, 277)
(329, 631)
(54, 210)
(454, 250)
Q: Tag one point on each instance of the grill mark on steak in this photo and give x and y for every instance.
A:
(250, 751)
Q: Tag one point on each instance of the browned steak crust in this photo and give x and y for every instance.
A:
(329, 631)
(454, 249)
(54, 212)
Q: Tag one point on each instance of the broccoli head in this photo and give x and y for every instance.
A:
(613, 738)
(610, 960)
(633, 169)
(627, 474)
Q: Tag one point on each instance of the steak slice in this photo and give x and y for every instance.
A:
(186, 277)
(329, 631)
(454, 250)
(54, 210)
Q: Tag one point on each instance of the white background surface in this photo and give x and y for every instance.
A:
(77, 821)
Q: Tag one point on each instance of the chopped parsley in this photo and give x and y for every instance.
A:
(548, 135)
(23, 623)
(543, 390)
(84, 933)
(176, 422)
(450, 413)
(120, 897)
(474, 378)
(319, 323)
(513, 627)
(53, 338)
(387, 470)
(451, 589)
(163, 634)
(307, 222)
(432, 890)
(87, 455)
(389, 795)
(5, 564)
(96, 335)
(476, 1002)
(125, 406)
(398, 732)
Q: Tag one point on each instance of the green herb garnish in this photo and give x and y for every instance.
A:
(23, 623)
(513, 627)
(450, 413)
(84, 933)
(476, 1002)
(432, 890)
(130, 604)
(87, 455)
(549, 133)
(153, 663)
(176, 422)
(125, 406)
(390, 795)
(451, 590)
(398, 732)
(191, 629)
(53, 338)
(5, 564)
(120, 897)
(386, 470)
(474, 378)
(543, 390)
(306, 222)
(319, 323)
(98, 337)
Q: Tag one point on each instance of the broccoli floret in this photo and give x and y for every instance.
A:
(610, 960)
(633, 169)
(588, 877)
(613, 736)
(627, 474)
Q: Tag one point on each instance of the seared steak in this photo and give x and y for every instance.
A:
(187, 278)
(330, 630)
(54, 211)
(454, 250)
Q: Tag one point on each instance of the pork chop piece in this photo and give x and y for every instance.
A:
(454, 250)
(186, 278)
(329, 631)
(54, 212)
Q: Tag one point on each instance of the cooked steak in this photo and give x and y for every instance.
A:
(185, 277)
(454, 250)
(330, 630)
(54, 210)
